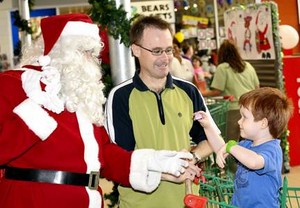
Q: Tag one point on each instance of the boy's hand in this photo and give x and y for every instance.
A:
(202, 118)
(221, 156)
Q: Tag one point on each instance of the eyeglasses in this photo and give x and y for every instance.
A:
(158, 51)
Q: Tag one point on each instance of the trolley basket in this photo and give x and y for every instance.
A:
(289, 196)
(218, 107)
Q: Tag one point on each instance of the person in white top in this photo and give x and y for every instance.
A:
(181, 67)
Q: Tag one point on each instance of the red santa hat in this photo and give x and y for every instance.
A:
(64, 25)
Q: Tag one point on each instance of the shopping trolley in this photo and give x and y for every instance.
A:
(218, 107)
(289, 196)
(219, 189)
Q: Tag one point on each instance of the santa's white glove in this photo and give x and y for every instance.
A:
(31, 83)
(169, 161)
(32, 86)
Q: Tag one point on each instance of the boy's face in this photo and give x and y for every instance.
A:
(249, 129)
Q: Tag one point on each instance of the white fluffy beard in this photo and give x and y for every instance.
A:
(80, 74)
(82, 88)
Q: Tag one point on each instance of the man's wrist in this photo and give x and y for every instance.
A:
(196, 157)
(230, 144)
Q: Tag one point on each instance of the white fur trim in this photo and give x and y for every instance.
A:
(81, 28)
(95, 199)
(36, 118)
(44, 60)
(91, 152)
(140, 177)
(91, 147)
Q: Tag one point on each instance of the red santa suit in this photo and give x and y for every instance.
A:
(263, 41)
(33, 137)
(36, 138)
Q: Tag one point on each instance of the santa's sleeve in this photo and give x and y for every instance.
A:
(22, 122)
(129, 168)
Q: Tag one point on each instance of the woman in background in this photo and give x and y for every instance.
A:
(181, 67)
(234, 77)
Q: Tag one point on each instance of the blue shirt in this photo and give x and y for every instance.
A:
(259, 188)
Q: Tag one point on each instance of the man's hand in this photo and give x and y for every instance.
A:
(191, 172)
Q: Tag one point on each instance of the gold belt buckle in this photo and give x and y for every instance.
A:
(94, 180)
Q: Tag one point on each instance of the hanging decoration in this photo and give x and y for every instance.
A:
(177, 4)
(264, 27)
(209, 8)
(201, 3)
(252, 31)
(229, 2)
(185, 4)
(111, 18)
(179, 36)
(286, 151)
(221, 2)
(194, 9)
(289, 36)
(23, 24)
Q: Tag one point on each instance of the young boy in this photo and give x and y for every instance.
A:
(265, 113)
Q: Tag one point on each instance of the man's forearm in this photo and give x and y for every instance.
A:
(203, 150)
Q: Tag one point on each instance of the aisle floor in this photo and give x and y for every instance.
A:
(294, 176)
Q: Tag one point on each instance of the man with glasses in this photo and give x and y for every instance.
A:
(155, 110)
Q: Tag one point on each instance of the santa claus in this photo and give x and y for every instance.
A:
(262, 39)
(53, 145)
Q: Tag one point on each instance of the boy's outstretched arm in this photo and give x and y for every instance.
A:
(247, 157)
(214, 138)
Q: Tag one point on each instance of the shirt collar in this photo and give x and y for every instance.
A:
(140, 85)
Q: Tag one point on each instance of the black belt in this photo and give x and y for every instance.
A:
(51, 176)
